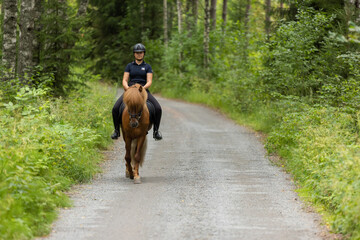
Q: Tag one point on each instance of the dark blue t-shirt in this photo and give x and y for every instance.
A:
(138, 72)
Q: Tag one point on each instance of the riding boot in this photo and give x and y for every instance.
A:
(157, 134)
(116, 134)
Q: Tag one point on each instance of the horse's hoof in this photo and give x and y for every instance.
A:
(127, 174)
(137, 180)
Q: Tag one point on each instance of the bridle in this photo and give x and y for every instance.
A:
(137, 116)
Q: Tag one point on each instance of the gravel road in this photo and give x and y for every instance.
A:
(207, 179)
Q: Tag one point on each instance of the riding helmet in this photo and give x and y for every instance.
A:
(139, 48)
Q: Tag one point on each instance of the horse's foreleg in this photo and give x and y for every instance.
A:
(129, 170)
(140, 144)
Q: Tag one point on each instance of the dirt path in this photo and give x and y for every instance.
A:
(207, 179)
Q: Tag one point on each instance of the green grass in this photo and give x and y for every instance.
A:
(46, 145)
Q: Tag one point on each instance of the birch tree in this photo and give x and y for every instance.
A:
(26, 37)
(9, 34)
(179, 13)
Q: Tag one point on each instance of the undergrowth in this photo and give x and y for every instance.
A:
(46, 145)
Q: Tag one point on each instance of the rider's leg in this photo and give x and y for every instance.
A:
(158, 113)
(116, 118)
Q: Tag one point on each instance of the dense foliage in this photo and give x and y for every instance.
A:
(115, 27)
(298, 82)
(46, 145)
(301, 86)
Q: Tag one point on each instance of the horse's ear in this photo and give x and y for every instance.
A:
(140, 88)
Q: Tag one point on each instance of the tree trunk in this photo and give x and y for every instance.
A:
(37, 28)
(206, 33)
(165, 23)
(179, 13)
(281, 8)
(195, 11)
(188, 15)
(213, 14)
(9, 34)
(170, 17)
(26, 26)
(224, 13)
(267, 16)
(178, 4)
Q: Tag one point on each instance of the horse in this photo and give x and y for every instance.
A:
(135, 126)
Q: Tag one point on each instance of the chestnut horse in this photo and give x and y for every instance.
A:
(135, 125)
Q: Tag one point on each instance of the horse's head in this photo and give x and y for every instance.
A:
(135, 100)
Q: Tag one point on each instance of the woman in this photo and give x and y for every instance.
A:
(137, 72)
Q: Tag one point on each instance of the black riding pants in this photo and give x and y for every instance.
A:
(116, 112)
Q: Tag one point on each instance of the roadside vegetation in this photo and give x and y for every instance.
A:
(47, 145)
(290, 69)
(300, 87)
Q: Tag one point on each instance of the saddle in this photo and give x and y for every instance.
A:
(150, 107)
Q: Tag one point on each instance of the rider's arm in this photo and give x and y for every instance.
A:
(126, 80)
(149, 77)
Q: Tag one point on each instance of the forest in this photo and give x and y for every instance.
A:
(289, 69)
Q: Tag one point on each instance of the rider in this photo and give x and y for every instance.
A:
(139, 72)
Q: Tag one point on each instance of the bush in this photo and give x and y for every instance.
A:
(46, 145)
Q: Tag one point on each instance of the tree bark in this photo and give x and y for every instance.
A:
(9, 34)
(188, 15)
(224, 13)
(206, 33)
(37, 28)
(170, 17)
(213, 14)
(179, 13)
(26, 37)
(165, 23)
(267, 16)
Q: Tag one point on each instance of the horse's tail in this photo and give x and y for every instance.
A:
(142, 153)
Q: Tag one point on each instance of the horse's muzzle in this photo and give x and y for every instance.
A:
(134, 124)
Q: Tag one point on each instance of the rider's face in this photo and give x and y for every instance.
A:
(139, 56)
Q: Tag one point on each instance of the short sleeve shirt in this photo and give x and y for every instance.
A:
(138, 73)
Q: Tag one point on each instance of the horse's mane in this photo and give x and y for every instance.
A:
(136, 95)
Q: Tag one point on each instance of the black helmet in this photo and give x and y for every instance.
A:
(139, 48)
